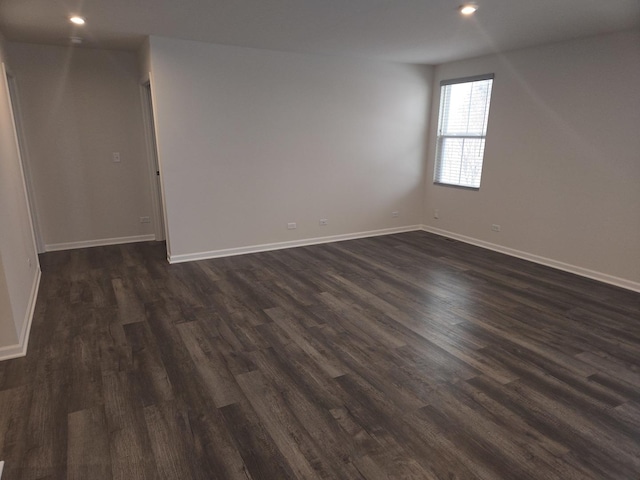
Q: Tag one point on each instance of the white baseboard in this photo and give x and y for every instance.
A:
(1, 468)
(228, 252)
(583, 272)
(20, 349)
(53, 247)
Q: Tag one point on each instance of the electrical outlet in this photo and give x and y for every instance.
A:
(324, 222)
(292, 226)
(495, 227)
(436, 213)
(116, 157)
(145, 219)
(395, 214)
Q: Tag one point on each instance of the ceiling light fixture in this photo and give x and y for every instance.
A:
(468, 8)
(77, 20)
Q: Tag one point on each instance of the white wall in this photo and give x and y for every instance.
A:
(562, 158)
(19, 268)
(144, 60)
(8, 332)
(250, 140)
(78, 106)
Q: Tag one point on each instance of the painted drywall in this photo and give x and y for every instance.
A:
(19, 266)
(144, 60)
(250, 140)
(78, 107)
(562, 159)
(8, 333)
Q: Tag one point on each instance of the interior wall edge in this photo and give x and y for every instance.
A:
(20, 349)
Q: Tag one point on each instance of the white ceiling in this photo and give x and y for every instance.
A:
(419, 31)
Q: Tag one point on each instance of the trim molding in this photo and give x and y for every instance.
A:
(53, 247)
(228, 252)
(20, 350)
(583, 272)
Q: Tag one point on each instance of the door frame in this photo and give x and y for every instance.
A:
(155, 170)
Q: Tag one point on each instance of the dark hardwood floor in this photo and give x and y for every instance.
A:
(405, 356)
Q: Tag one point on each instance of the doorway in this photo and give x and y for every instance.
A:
(154, 164)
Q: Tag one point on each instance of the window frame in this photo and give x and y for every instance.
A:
(440, 137)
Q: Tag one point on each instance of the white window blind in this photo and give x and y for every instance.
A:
(462, 129)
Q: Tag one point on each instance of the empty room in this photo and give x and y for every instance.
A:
(363, 239)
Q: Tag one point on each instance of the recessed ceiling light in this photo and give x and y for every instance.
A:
(77, 20)
(468, 8)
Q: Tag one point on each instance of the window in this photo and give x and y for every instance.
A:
(462, 129)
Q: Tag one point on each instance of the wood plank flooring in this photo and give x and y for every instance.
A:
(406, 356)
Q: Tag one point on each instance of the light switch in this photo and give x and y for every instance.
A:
(116, 156)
